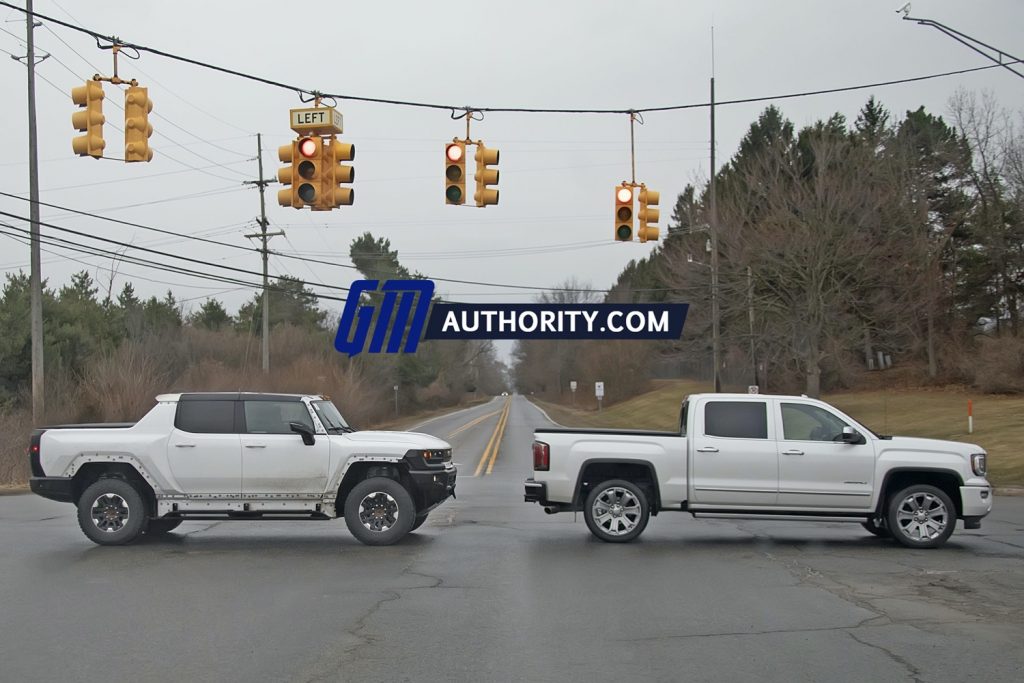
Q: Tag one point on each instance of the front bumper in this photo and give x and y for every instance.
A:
(54, 488)
(434, 486)
(976, 500)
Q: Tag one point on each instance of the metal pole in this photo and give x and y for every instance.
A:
(264, 237)
(35, 282)
(713, 225)
(265, 346)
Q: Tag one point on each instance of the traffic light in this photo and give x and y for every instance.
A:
(89, 120)
(648, 217)
(304, 175)
(624, 213)
(137, 128)
(336, 173)
(485, 157)
(455, 173)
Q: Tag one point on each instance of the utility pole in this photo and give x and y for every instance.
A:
(750, 313)
(264, 237)
(35, 277)
(713, 225)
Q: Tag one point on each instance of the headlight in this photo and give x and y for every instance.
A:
(979, 463)
(434, 456)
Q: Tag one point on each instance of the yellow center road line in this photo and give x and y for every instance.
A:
(474, 422)
(497, 442)
(491, 443)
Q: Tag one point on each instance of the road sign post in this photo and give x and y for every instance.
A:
(599, 393)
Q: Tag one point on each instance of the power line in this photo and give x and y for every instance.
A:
(454, 108)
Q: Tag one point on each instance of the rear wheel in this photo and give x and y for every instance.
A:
(921, 516)
(616, 511)
(379, 511)
(112, 512)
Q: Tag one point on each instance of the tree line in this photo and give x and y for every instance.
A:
(885, 244)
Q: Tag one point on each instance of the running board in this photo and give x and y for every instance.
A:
(791, 518)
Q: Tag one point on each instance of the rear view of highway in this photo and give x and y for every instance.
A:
(493, 589)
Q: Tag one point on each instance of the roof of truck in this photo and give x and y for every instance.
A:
(230, 396)
(743, 395)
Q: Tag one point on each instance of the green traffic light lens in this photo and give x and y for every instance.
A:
(623, 233)
(454, 194)
(307, 169)
(307, 193)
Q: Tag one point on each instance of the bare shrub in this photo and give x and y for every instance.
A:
(15, 427)
(1000, 365)
(120, 385)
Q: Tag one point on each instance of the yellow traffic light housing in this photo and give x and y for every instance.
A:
(485, 157)
(648, 217)
(335, 174)
(624, 213)
(455, 172)
(137, 127)
(304, 175)
(90, 120)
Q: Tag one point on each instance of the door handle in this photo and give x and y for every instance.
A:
(184, 445)
(707, 449)
(792, 451)
(255, 445)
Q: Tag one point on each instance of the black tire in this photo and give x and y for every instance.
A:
(626, 511)
(920, 516)
(112, 512)
(420, 519)
(882, 531)
(379, 511)
(159, 527)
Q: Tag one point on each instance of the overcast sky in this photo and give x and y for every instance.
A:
(558, 171)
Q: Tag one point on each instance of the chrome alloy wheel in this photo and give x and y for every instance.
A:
(922, 517)
(378, 511)
(110, 513)
(617, 511)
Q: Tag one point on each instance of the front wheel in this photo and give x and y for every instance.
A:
(112, 512)
(616, 511)
(921, 516)
(379, 511)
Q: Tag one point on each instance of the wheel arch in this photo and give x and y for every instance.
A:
(90, 472)
(947, 480)
(360, 471)
(636, 470)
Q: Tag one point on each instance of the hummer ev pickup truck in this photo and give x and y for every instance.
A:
(240, 456)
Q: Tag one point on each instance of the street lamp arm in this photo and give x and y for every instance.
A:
(972, 43)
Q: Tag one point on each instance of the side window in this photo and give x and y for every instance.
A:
(736, 419)
(206, 417)
(802, 422)
(272, 417)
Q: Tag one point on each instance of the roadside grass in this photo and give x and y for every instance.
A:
(937, 413)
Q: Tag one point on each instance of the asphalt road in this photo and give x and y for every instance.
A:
(492, 589)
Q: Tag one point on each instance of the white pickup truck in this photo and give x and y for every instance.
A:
(762, 457)
(240, 456)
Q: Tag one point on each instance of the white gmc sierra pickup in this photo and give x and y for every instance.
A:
(240, 456)
(762, 457)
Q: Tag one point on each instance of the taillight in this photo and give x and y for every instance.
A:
(541, 456)
(33, 456)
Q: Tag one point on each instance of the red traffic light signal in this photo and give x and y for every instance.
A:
(623, 213)
(455, 173)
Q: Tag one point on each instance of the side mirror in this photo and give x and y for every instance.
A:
(852, 436)
(305, 431)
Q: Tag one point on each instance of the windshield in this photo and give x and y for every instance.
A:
(330, 417)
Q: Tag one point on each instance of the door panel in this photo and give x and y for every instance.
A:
(274, 459)
(816, 470)
(209, 464)
(735, 458)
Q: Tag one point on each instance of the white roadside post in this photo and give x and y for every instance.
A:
(572, 388)
(599, 393)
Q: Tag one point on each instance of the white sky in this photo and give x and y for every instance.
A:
(557, 171)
